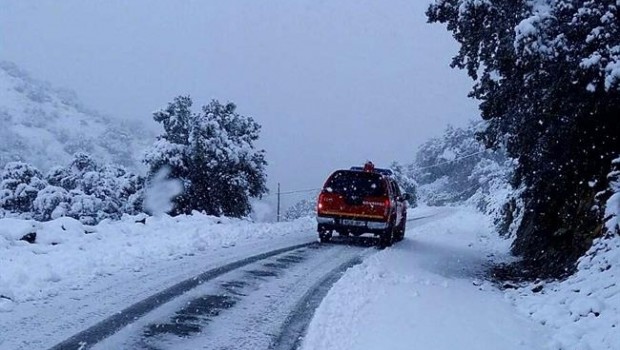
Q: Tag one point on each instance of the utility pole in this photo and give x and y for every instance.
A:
(278, 213)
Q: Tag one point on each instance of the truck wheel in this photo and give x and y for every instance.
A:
(400, 232)
(386, 238)
(325, 236)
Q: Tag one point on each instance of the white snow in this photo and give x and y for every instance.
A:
(583, 312)
(426, 292)
(613, 74)
(612, 207)
(160, 193)
(45, 126)
(76, 275)
(68, 254)
(448, 154)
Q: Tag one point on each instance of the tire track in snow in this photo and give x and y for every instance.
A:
(101, 330)
(298, 320)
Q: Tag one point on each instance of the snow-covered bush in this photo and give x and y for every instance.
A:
(87, 208)
(98, 191)
(19, 185)
(49, 203)
(303, 208)
(84, 190)
(212, 153)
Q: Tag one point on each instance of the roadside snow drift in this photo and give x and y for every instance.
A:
(67, 254)
(583, 311)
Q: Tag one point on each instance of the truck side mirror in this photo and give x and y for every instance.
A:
(405, 197)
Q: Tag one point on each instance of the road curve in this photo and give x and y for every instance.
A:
(261, 302)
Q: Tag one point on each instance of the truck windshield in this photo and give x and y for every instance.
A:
(356, 183)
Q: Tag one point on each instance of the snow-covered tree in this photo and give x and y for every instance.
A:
(456, 169)
(212, 152)
(546, 73)
(405, 179)
(444, 166)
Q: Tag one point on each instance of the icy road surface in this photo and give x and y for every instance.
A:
(426, 292)
(249, 308)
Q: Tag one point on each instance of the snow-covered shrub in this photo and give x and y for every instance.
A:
(98, 191)
(303, 208)
(60, 176)
(84, 190)
(19, 185)
(86, 208)
(457, 169)
(48, 204)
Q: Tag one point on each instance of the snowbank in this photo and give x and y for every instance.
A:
(584, 310)
(67, 254)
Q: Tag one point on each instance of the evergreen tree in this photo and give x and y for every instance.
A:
(212, 152)
(547, 74)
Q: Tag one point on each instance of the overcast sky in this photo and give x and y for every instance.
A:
(333, 83)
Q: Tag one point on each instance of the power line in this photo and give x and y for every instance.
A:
(422, 168)
(294, 192)
(302, 191)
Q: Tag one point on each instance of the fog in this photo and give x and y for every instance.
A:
(333, 83)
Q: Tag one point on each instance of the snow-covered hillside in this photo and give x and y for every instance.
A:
(45, 126)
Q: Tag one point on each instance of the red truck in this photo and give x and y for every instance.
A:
(362, 200)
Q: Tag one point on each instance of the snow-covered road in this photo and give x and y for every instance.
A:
(99, 274)
(426, 292)
(245, 309)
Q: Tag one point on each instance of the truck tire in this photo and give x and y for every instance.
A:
(386, 238)
(325, 236)
(400, 231)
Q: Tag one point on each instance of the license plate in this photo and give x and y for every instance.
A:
(353, 223)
